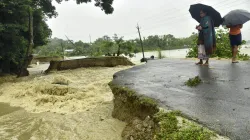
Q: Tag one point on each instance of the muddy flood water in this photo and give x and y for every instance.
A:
(68, 105)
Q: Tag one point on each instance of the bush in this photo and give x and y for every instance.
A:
(223, 49)
(170, 130)
(193, 51)
(193, 82)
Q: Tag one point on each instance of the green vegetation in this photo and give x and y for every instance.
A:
(193, 82)
(166, 42)
(168, 124)
(223, 49)
(115, 46)
(112, 46)
(160, 56)
(147, 101)
(193, 132)
(170, 130)
(101, 46)
(23, 28)
(14, 30)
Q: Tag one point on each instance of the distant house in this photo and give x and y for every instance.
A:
(69, 50)
(34, 54)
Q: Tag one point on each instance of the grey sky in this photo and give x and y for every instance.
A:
(154, 17)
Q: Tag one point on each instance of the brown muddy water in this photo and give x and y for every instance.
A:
(67, 105)
(95, 124)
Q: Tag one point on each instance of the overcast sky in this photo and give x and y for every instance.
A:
(154, 17)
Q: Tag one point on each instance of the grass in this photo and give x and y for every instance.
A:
(193, 132)
(243, 57)
(147, 101)
(193, 82)
(169, 129)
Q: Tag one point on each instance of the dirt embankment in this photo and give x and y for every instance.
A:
(147, 121)
(89, 62)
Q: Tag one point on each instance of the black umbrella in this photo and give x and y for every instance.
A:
(236, 17)
(215, 15)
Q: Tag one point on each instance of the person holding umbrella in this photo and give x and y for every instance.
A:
(208, 18)
(235, 40)
(206, 40)
(235, 20)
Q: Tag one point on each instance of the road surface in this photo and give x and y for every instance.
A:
(221, 102)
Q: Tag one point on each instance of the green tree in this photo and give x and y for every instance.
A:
(15, 32)
(118, 41)
(109, 45)
(23, 27)
(108, 48)
(55, 47)
(165, 42)
(105, 5)
(81, 49)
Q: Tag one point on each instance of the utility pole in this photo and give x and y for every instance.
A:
(70, 41)
(62, 49)
(138, 28)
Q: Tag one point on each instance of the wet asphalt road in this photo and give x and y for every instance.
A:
(221, 102)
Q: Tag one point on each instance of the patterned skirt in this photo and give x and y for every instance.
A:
(202, 52)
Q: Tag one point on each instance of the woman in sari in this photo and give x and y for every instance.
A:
(206, 40)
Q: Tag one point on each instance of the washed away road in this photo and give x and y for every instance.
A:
(221, 102)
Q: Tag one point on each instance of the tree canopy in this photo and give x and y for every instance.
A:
(107, 45)
(16, 30)
(114, 45)
(105, 5)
